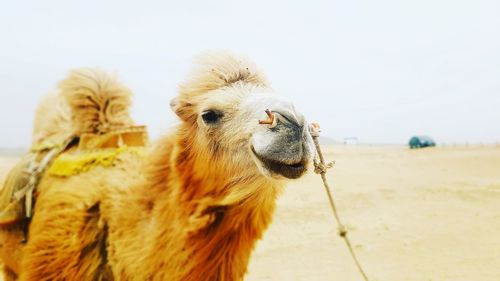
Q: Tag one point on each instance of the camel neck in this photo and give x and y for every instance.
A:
(203, 227)
(225, 246)
(214, 247)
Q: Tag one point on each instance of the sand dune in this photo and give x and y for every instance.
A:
(430, 214)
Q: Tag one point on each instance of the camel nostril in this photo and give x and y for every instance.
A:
(290, 118)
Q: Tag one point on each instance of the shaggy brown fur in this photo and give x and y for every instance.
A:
(99, 103)
(88, 101)
(191, 209)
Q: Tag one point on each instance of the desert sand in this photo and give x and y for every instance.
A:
(422, 215)
(430, 214)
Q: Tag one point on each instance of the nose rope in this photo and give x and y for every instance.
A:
(272, 120)
(321, 169)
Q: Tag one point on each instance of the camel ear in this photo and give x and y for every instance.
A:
(181, 108)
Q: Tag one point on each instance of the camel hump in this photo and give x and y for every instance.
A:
(99, 103)
(214, 70)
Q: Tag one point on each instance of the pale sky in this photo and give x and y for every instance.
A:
(381, 70)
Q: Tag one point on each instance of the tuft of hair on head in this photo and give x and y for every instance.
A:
(216, 70)
(99, 103)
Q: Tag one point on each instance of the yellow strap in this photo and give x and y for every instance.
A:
(82, 161)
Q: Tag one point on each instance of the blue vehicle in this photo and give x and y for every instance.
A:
(421, 141)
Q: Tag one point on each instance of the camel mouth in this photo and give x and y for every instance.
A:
(290, 171)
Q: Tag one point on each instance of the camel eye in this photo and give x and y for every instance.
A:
(211, 117)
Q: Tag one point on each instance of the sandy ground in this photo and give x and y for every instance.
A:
(430, 214)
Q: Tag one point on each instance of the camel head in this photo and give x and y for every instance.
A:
(223, 111)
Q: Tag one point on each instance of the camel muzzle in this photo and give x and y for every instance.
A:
(287, 149)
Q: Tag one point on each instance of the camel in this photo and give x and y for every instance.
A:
(100, 103)
(190, 207)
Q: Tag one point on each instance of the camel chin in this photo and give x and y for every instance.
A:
(275, 169)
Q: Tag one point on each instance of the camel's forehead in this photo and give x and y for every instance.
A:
(233, 98)
(265, 99)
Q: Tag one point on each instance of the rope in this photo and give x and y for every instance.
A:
(321, 169)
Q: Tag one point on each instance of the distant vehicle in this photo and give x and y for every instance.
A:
(351, 140)
(421, 141)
